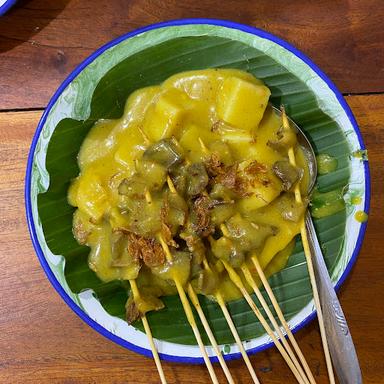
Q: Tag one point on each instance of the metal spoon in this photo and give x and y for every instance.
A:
(339, 338)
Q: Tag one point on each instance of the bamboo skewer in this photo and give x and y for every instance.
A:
(307, 252)
(268, 312)
(226, 315)
(136, 294)
(295, 366)
(282, 319)
(235, 334)
(237, 281)
(287, 354)
(196, 304)
(221, 302)
(256, 290)
(265, 306)
(184, 301)
(183, 297)
(189, 314)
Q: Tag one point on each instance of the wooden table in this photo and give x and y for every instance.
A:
(41, 41)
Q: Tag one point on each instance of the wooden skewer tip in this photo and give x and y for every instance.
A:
(155, 354)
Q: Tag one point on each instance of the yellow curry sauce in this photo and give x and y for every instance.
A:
(214, 134)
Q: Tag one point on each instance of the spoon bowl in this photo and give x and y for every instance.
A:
(307, 149)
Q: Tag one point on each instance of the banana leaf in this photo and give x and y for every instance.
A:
(151, 65)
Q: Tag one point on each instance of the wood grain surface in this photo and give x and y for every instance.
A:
(41, 41)
(43, 341)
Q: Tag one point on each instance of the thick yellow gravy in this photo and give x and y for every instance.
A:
(223, 112)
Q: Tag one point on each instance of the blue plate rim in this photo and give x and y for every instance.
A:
(178, 22)
(6, 6)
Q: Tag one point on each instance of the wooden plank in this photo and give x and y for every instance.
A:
(43, 341)
(42, 41)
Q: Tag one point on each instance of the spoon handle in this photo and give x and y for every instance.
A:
(340, 341)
